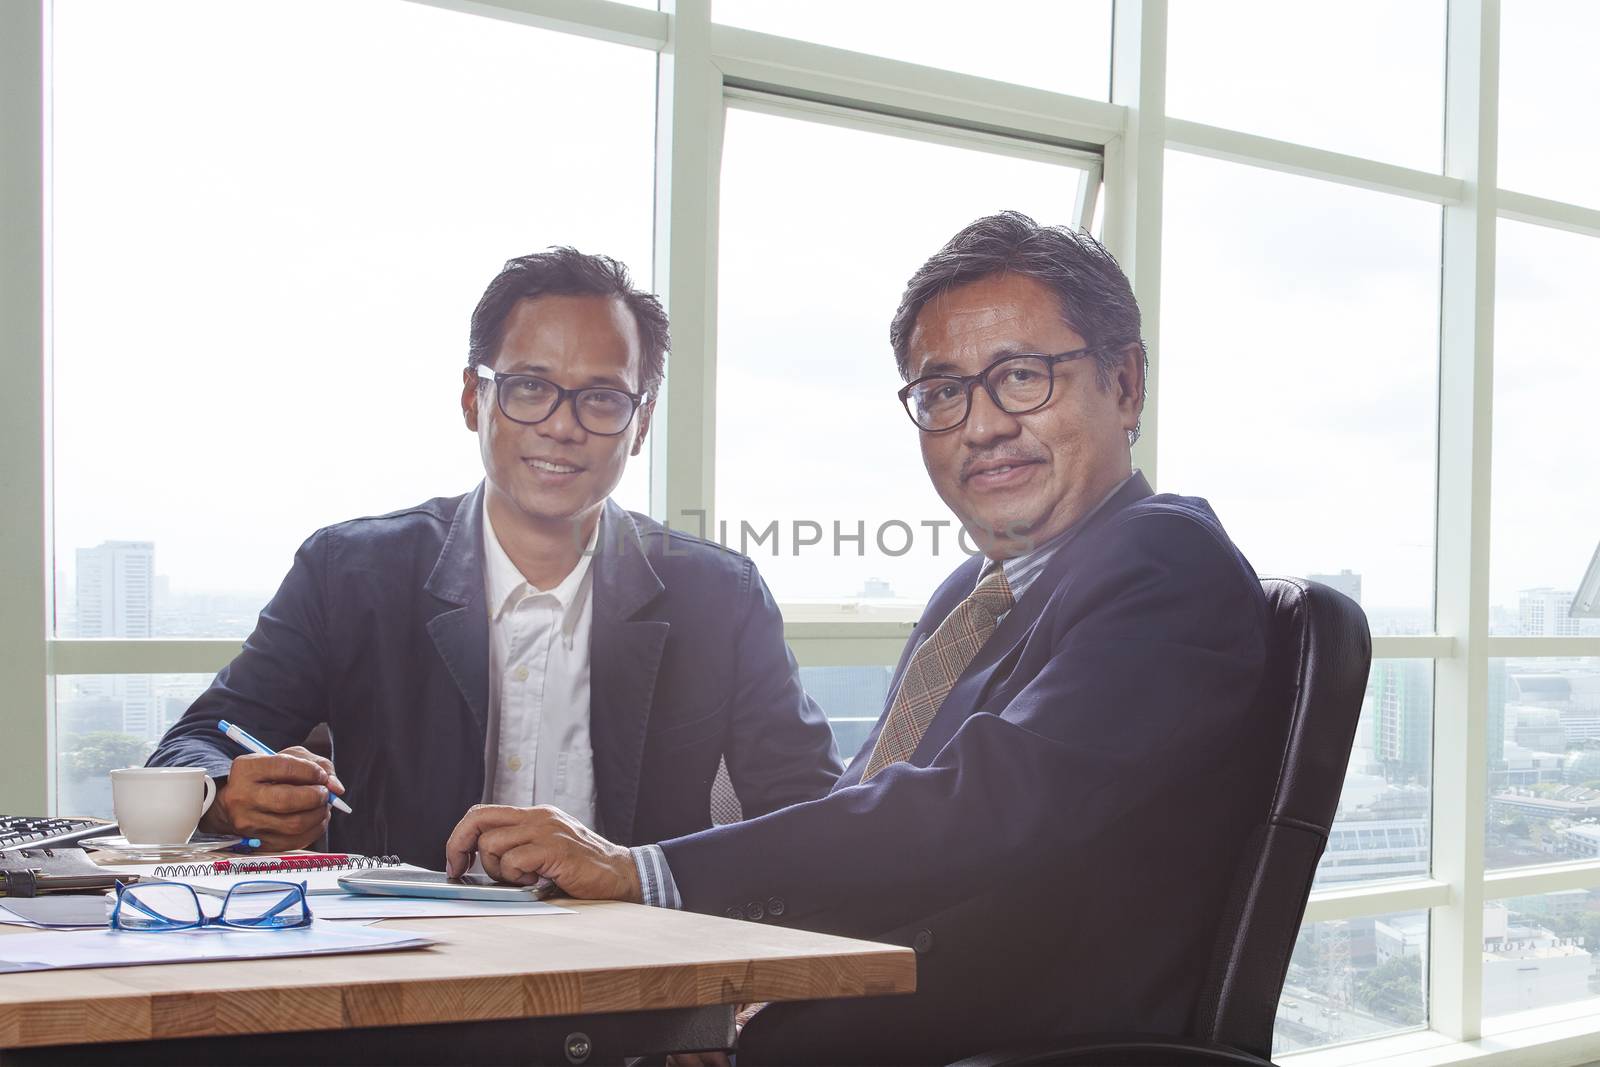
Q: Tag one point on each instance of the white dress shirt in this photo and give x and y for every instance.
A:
(538, 749)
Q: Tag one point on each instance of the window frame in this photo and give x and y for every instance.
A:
(702, 68)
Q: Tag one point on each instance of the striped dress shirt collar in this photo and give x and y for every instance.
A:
(1021, 571)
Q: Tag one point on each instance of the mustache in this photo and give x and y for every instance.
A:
(990, 459)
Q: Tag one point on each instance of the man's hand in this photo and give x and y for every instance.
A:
(523, 845)
(281, 799)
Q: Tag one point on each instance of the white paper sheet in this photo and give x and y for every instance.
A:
(357, 906)
(50, 950)
(54, 911)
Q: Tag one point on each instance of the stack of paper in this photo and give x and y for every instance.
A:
(119, 948)
(89, 912)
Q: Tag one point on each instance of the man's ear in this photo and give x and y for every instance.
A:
(1129, 384)
(645, 411)
(469, 398)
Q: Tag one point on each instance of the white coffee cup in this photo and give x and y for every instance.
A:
(160, 805)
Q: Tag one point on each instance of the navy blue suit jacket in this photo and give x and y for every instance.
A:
(1059, 846)
(381, 630)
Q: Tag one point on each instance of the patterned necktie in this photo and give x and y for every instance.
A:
(934, 668)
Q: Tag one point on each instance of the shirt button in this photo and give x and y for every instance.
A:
(514, 763)
(775, 906)
(520, 674)
(754, 911)
(922, 944)
(734, 913)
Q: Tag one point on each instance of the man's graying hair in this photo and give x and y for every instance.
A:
(1096, 299)
(568, 272)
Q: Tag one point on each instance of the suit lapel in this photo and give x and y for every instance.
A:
(1008, 637)
(624, 656)
(944, 601)
(461, 632)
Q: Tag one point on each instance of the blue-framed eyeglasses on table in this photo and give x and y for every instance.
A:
(154, 907)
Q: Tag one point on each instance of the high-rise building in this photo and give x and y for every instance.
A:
(116, 587)
(1546, 612)
(115, 597)
(1346, 581)
(1495, 741)
(1400, 696)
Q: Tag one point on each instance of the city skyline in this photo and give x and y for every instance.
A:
(208, 611)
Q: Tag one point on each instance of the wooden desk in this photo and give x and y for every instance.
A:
(609, 980)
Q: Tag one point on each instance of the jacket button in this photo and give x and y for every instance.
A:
(775, 906)
(734, 913)
(754, 911)
(922, 944)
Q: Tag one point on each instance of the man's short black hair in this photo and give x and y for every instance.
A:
(1096, 298)
(565, 271)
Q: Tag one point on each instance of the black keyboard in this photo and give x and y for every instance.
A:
(39, 831)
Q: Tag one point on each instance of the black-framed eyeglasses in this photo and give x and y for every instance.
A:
(1017, 385)
(530, 399)
(156, 907)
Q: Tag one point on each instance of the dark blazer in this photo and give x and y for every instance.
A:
(381, 630)
(1058, 848)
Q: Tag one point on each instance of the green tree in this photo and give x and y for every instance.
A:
(1393, 990)
(96, 755)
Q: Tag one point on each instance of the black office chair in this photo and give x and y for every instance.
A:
(1318, 662)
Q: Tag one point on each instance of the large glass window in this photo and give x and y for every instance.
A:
(814, 258)
(1364, 77)
(1539, 951)
(271, 224)
(1546, 515)
(1543, 751)
(1382, 825)
(1299, 370)
(1353, 980)
(853, 698)
(106, 721)
(1064, 45)
(1549, 140)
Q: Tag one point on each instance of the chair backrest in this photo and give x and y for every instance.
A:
(1317, 667)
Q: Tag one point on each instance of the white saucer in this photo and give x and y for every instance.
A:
(123, 849)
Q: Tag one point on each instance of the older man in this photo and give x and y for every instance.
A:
(1050, 806)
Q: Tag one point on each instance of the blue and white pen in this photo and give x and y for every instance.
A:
(253, 745)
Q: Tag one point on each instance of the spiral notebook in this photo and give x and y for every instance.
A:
(319, 875)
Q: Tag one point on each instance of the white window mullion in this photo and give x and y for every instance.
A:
(1536, 881)
(25, 759)
(1466, 394)
(140, 655)
(689, 120)
(603, 20)
(1133, 182)
(1253, 150)
(1538, 211)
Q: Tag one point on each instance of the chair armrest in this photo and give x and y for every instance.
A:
(1109, 1049)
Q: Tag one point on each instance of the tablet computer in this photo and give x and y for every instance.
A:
(394, 883)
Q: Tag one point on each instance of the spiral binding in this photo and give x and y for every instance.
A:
(281, 865)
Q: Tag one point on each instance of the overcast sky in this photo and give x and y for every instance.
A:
(271, 222)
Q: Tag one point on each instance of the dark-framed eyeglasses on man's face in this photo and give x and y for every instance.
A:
(1017, 384)
(530, 399)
